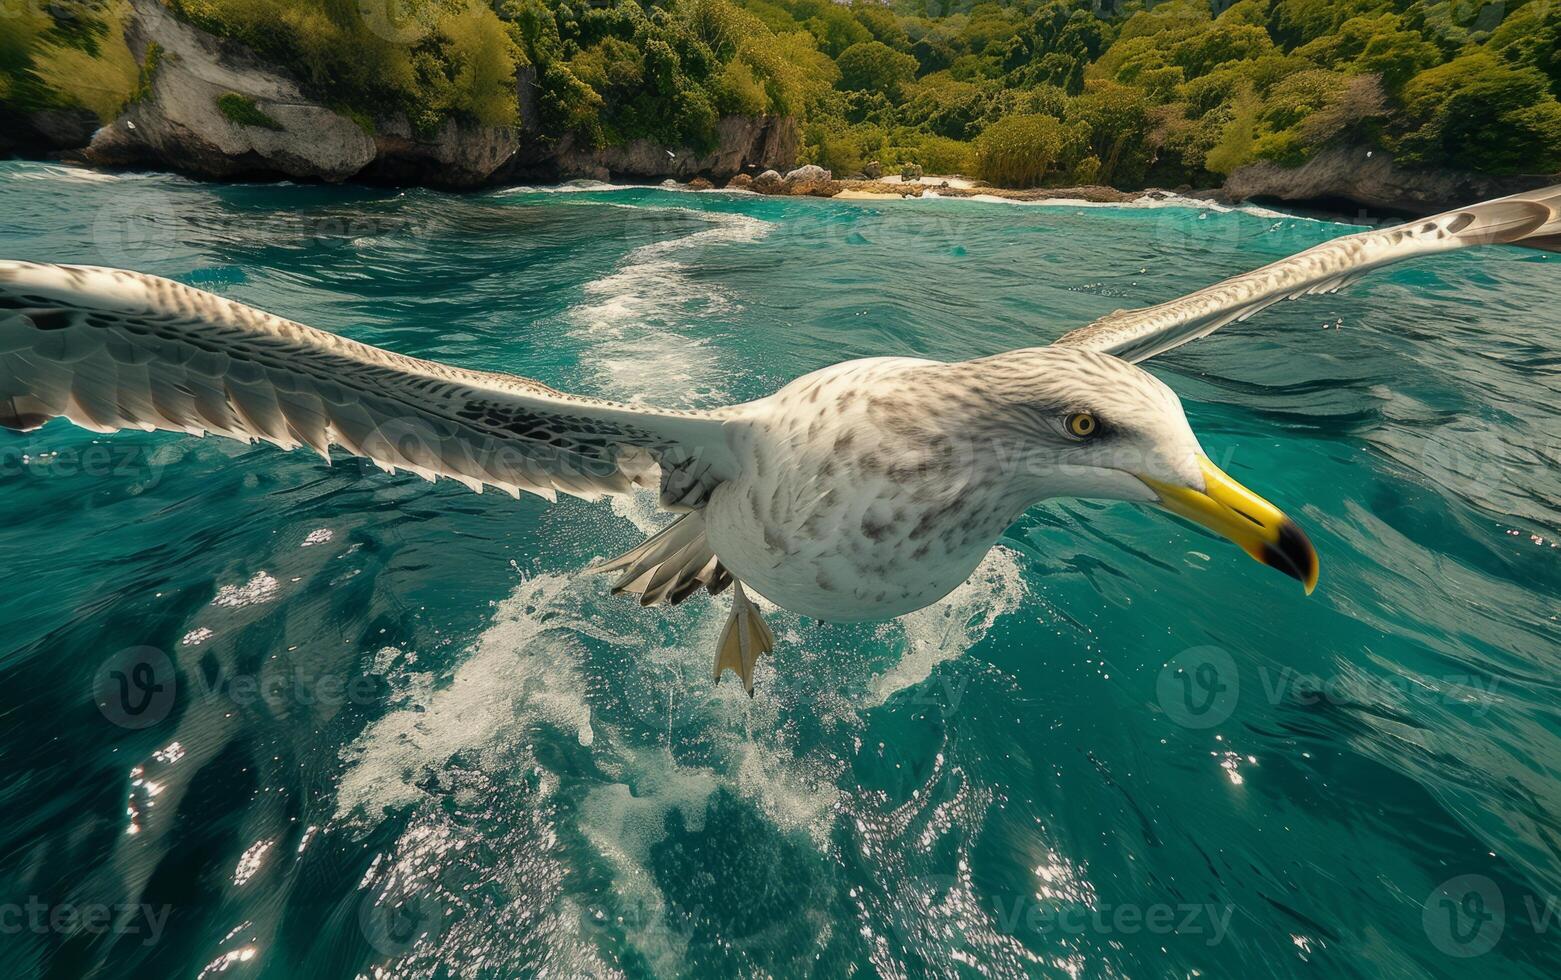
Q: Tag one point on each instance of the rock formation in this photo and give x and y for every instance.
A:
(213, 109)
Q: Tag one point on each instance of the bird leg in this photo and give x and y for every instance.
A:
(744, 637)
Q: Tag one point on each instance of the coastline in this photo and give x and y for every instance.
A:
(177, 123)
(1288, 196)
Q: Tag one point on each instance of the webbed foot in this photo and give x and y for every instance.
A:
(744, 638)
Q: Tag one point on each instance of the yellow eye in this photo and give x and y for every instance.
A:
(1082, 425)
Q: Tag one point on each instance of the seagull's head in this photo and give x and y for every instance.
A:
(1068, 422)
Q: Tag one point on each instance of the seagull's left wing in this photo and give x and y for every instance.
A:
(110, 349)
(1532, 219)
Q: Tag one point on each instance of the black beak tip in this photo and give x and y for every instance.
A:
(1294, 555)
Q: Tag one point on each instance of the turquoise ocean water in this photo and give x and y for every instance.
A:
(264, 718)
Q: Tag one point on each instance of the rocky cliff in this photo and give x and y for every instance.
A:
(1370, 180)
(211, 108)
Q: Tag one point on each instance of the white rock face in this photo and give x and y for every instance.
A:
(179, 119)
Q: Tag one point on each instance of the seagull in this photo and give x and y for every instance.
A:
(862, 491)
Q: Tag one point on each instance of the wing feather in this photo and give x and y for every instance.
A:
(1531, 219)
(110, 349)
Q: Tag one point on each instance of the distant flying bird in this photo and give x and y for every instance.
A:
(865, 490)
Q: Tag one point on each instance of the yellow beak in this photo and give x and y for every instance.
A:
(1232, 511)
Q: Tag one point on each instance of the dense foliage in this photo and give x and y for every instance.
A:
(1018, 92)
(1184, 92)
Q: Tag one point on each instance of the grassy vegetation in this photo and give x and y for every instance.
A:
(146, 73)
(1018, 92)
(241, 110)
(70, 54)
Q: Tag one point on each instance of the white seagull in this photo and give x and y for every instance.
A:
(865, 490)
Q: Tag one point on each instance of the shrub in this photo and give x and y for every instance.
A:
(934, 154)
(1027, 151)
(91, 67)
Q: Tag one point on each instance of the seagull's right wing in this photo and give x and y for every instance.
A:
(1532, 219)
(110, 349)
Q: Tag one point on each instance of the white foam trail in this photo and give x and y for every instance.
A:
(632, 319)
(567, 187)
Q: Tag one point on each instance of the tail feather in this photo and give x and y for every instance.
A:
(670, 565)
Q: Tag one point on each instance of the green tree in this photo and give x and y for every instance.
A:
(1056, 45)
(1238, 136)
(1116, 119)
(1531, 35)
(1478, 112)
(873, 66)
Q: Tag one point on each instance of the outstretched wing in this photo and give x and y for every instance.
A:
(110, 349)
(1532, 219)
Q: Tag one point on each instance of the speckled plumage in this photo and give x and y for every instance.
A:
(864, 490)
